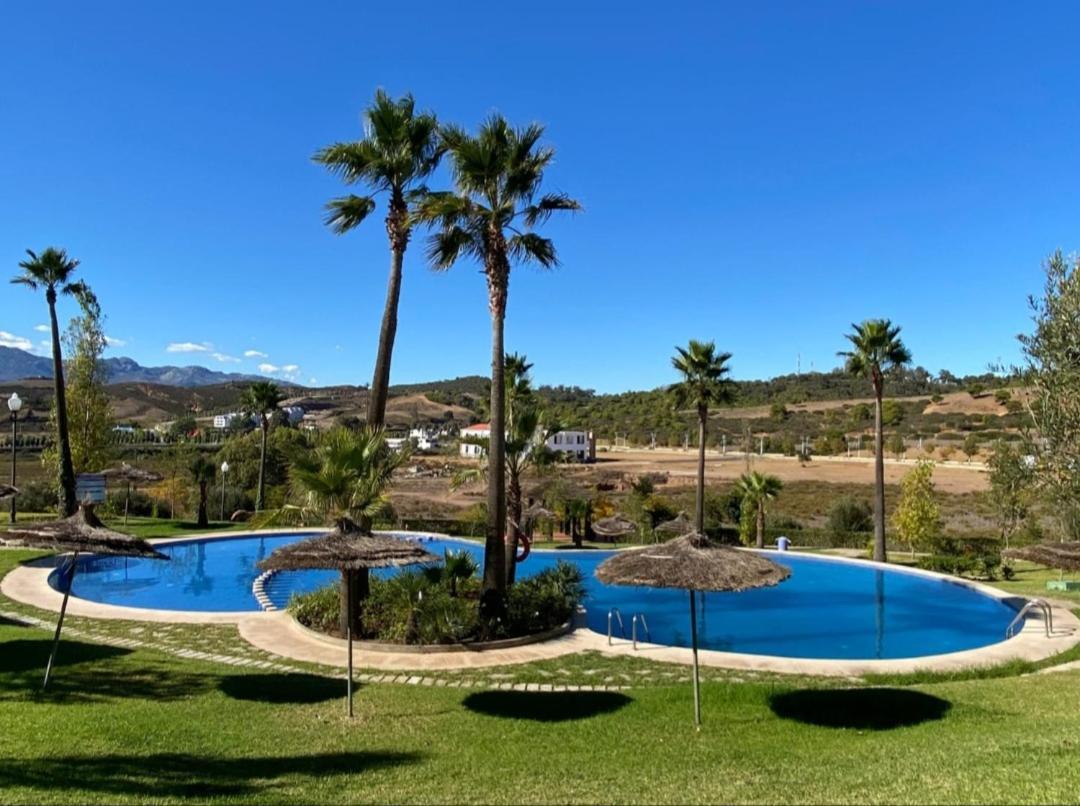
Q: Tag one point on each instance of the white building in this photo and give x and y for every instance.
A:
(294, 413)
(579, 445)
(225, 420)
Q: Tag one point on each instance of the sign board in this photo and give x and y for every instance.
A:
(90, 487)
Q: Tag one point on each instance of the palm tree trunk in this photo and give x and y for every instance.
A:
(513, 505)
(492, 597)
(380, 382)
(204, 521)
(761, 524)
(699, 511)
(262, 465)
(879, 479)
(68, 503)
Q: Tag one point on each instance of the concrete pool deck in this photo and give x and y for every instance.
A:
(278, 633)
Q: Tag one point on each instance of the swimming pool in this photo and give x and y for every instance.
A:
(828, 608)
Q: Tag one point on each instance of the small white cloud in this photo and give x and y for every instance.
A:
(290, 372)
(225, 359)
(312, 381)
(269, 369)
(188, 347)
(42, 328)
(18, 342)
(45, 346)
(109, 340)
(290, 368)
(254, 354)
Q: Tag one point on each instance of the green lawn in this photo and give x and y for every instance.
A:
(141, 725)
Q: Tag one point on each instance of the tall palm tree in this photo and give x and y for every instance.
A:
(400, 148)
(262, 399)
(757, 490)
(704, 383)
(490, 217)
(52, 270)
(876, 349)
(202, 472)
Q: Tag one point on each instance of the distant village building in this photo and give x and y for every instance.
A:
(425, 439)
(579, 445)
(294, 414)
(225, 420)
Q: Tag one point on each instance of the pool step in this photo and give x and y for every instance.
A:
(258, 588)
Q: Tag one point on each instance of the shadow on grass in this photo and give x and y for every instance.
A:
(292, 689)
(181, 775)
(86, 672)
(862, 708)
(546, 706)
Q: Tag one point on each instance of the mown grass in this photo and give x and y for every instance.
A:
(137, 726)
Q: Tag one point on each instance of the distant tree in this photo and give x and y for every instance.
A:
(182, 427)
(262, 399)
(1002, 396)
(849, 515)
(917, 518)
(704, 383)
(399, 150)
(490, 217)
(757, 490)
(1012, 487)
(89, 412)
(52, 270)
(876, 349)
(976, 389)
(778, 411)
(892, 413)
(896, 445)
(202, 473)
(970, 447)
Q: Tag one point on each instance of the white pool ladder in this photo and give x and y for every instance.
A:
(1031, 604)
(614, 613)
(633, 627)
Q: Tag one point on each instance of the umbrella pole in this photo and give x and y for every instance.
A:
(693, 643)
(127, 501)
(348, 637)
(60, 622)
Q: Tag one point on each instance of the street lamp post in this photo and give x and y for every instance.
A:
(224, 470)
(14, 404)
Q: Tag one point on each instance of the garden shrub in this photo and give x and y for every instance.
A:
(964, 556)
(38, 496)
(848, 514)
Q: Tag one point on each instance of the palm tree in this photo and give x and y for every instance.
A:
(704, 383)
(757, 489)
(202, 472)
(399, 149)
(490, 217)
(342, 480)
(52, 270)
(262, 399)
(876, 349)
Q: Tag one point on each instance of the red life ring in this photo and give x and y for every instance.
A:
(526, 547)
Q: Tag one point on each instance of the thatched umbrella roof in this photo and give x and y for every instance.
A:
(6, 491)
(347, 551)
(1063, 556)
(82, 532)
(691, 562)
(537, 512)
(614, 527)
(678, 526)
(132, 474)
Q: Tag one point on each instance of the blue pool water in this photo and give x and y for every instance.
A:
(826, 608)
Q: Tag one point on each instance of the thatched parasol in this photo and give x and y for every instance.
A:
(615, 527)
(131, 476)
(1062, 556)
(6, 491)
(83, 532)
(537, 512)
(678, 526)
(692, 562)
(353, 553)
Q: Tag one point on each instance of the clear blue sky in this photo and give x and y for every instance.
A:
(759, 174)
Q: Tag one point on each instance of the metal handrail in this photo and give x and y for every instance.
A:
(633, 627)
(1031, 604)
(622, 629)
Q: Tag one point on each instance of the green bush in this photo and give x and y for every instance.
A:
(964, 556)
(319, 609)
(848, 515)
(545, 600)
(38, 496)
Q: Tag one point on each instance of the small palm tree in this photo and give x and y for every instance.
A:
(52, 270)
(202, 472)
(704, 383)
(399, 150)
(262, 399)
(341, 480)
(757, 490)
(457, 566)
(876, 349)
(490, 217)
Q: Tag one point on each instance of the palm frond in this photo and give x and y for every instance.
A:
(541, 211)
(528, 247)
(347, 212)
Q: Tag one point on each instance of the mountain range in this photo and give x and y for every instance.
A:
(18, 364)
